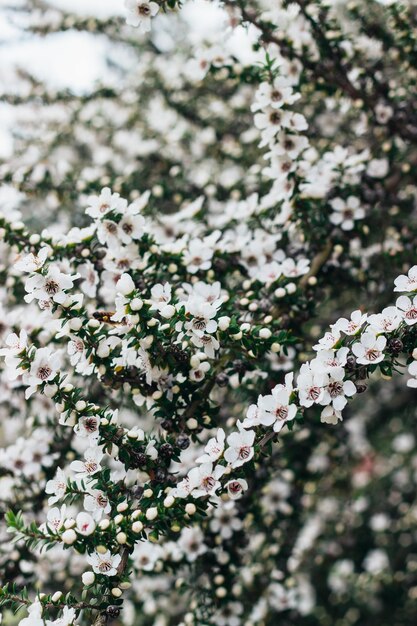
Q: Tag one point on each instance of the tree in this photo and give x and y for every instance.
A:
(179, 351)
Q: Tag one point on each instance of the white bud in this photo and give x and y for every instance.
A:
(116, 592)
(122, 506)
(152, 513)
(125, 284)
(69, 536)
(265, 333)
(137, 527)
(81, 405)
(121, 538)
(168, 311)
(57, 596)
(190, 508)
(224, 322)
(75, 323)
(88, 578)
(169, 501)
(50, 390)
(280, 292)
(136, 304)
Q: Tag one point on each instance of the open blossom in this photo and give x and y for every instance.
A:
(276, 409)
(386, 321)
(408, 309)
(56, 487)
(236, 488)
(91, 464)
(370, 349)
(104, 203)
(351, 327)
(32, 262)
(310, 385)
(105, 563)
(15, 344)
(55, 519)
(407, 282)
(204, 479)
(140, 13)
(330, 415)
(346, 212)
(88, 427)
(43, 368)
(338, 390)
(214, 448)
(50, 286)
(240, 447)
(97, 503)
(202, 314)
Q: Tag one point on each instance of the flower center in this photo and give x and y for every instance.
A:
(372, 354)
(281, 412)
(44, 371)
(51, 287)
(244, 452)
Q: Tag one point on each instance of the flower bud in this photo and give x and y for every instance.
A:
(88, 578)
(125, 284)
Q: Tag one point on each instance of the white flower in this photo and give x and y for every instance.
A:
(204, 480)
(67, 618)
(32, 262)
(85, 524)
(140, 13)
(105, 564)
(329, 340)
(43, 368)
(55, 518)
(91, 464)
(276, 409)
(370, 349)
(191, 542)
(330, 415)
(88, 427)
(90, 280)
(209, 343)
(412, 370)
(160, 296)
(214, 448)
(125, 284)
(329, 360)
(105, 202)
(15, 345)
(310, 385)
(385, 322)
(274, 94)
(240, 448)
(336, 389)
(97, 503)
(407, 283)
(146, 555)
(351, 327)
(57, 486)
(50, 286)
(131, 227)
(35, 616)
(408, 309)
(202, 321)
(198, 256)
(236, 488)
(345, 212)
